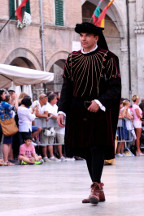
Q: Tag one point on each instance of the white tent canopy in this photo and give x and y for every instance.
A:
(22, 76)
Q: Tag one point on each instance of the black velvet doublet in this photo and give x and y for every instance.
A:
(87, 77)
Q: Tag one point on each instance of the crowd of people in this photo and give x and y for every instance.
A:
(130, 125)
(23, 145)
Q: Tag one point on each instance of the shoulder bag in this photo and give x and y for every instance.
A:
(9, 127)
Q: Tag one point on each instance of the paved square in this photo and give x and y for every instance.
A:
(56, 189)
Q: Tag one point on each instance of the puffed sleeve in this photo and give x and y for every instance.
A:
(113, 82)
(66, 92)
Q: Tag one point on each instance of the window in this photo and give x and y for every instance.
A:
(59, 12)
(13, 4)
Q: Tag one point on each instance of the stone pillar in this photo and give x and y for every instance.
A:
(57, 78)
(124, 71)
(139, 10)
(139, 31)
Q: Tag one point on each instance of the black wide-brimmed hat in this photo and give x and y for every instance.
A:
(90, 28)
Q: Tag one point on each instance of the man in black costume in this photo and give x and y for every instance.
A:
(89, 100)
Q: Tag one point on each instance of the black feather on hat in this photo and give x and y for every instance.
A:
(87, 27)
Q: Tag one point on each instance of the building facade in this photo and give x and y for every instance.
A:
(47, 41)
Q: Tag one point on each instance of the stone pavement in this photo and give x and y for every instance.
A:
(56, 189)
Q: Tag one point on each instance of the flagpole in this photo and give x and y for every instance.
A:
(42, 35)
(42, 41)
(7, 22)
(20, 6)
(128, 44)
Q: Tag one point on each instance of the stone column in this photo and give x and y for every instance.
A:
(139, 31)
(57, 78)
(124, 70)
(139, 10)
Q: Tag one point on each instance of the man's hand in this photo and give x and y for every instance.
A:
(94, 107)
(60, 120)
(35, 110)
(47, 118)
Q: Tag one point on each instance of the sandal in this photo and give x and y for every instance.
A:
(1, 162)
(10, 164)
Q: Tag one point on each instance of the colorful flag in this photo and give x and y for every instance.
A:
(19, 10)
(97, 12)
(100, 21)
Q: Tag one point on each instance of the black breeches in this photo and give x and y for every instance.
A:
(95, 163)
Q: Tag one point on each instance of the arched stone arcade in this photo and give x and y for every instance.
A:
(24, 58)
(56, 65)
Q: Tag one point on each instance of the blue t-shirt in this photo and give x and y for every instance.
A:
(6, 110)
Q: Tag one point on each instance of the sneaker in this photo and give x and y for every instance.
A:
(63, 158)
(119, 155)
(23, 163)
(39, 162)
(54, 159)
(45, 159)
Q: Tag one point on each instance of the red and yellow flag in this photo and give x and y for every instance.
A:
(100, 21)
(97, 12)
(19, 10)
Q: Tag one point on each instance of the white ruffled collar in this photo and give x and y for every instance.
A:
(90, 50)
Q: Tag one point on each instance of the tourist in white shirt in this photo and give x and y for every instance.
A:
(42, 106)
(53, 110)
(42, 112)
(26, 115)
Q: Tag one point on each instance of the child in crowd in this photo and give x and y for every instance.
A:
(27, 154)
(126, 117)
(122, 131)
(129, 117)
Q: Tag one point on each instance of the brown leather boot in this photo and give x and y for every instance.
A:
(86, 200)
(99, 191)
(97, 194)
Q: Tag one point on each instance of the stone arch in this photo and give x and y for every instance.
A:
(118, 43)
(57, 56)
(23, 57)
(113, 13)
(56, 65)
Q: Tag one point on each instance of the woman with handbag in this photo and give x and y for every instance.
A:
(7, 113)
